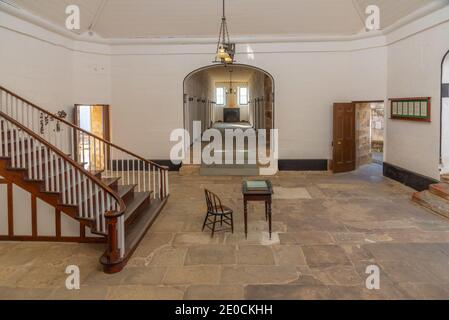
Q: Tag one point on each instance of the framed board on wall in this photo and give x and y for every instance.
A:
(411, 109)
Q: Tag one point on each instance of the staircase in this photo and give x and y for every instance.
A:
(436, 198)
(114, 192)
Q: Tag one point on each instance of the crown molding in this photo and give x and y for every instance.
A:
(182, 40)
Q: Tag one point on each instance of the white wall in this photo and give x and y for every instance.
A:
(144, 84)
(198, 87)
(414, 70)
(306, 85)
(54, 73)
(257, 91)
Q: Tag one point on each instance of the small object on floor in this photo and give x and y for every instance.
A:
(260, 190)
(217, 213)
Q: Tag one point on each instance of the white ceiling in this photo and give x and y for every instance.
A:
(119, 19)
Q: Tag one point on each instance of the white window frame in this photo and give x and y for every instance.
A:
(247, 96)
(224, 96)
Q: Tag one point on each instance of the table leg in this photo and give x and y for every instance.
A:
(245, 215)
(269, 217)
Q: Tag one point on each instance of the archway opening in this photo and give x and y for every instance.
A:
(444, 156)
(233, 97)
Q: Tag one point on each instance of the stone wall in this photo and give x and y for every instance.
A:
(378, 126)
(363, 134)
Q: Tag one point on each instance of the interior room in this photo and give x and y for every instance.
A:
(118, 181)
(228, 97)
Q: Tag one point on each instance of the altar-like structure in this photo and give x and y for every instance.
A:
(231, 114)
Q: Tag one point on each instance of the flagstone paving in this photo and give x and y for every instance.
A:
(326, 233)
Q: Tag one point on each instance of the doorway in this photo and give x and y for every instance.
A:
(359, 129)
(94, 119)
(370, 124)
(222, 97)
(444, 135)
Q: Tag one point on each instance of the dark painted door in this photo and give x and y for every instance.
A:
(344, 149)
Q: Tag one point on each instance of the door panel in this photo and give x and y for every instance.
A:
(344, 157)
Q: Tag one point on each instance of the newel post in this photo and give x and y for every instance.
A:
(113, 252)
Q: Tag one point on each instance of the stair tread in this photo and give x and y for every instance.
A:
(135, 202)
(443, 187)
(433, 202)
(110, 181)
(96, 172)
(123, 190)
(136, 230)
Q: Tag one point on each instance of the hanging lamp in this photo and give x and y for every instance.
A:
(225, 49)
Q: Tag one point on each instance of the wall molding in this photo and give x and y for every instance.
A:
(409, 178)
(22, 22)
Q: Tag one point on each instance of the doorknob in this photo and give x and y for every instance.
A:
(339, 142)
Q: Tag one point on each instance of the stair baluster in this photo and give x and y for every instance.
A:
(65, 158)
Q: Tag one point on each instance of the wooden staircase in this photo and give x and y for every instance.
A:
(436, 198)
(106, 188)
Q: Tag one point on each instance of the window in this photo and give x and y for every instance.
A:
(243, 95)
(220, 96)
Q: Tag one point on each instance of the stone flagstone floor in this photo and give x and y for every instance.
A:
(326, 233)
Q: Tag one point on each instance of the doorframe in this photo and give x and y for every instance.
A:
(446, 56)
(331, 161)
(106, 115)
(385, 108)
(107, 130)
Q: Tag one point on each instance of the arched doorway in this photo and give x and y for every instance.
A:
(444, 116)
(224, 97)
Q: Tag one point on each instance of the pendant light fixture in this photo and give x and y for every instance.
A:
(231, 90)
(225, 49)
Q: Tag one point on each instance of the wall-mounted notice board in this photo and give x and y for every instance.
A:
(412, 109)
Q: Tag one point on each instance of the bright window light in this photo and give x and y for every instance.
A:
(243, 96)
(220, 96)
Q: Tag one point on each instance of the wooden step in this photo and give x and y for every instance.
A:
(126, 192)
(136, 230)
(97, 173)
(440, 190)
(445, 177)
(432, 202)
(134, 233)
(111, 182)
(135, 206)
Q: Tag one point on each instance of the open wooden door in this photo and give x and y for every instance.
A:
(344, 147)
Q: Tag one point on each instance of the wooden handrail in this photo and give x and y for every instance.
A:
(84, 131)
(122, 206)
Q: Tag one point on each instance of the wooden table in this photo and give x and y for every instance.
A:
(260, 193)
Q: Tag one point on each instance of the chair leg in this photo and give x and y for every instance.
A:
(213, 228)
(221, 220)
(232, 223)
(205, 220)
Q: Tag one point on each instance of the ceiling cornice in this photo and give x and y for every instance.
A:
(91, 37)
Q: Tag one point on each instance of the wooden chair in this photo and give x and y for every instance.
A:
(217, 213)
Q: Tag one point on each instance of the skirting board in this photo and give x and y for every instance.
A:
(303, 165)
(124, 165)
(288, 165)
(409, 178)
(283, 165)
